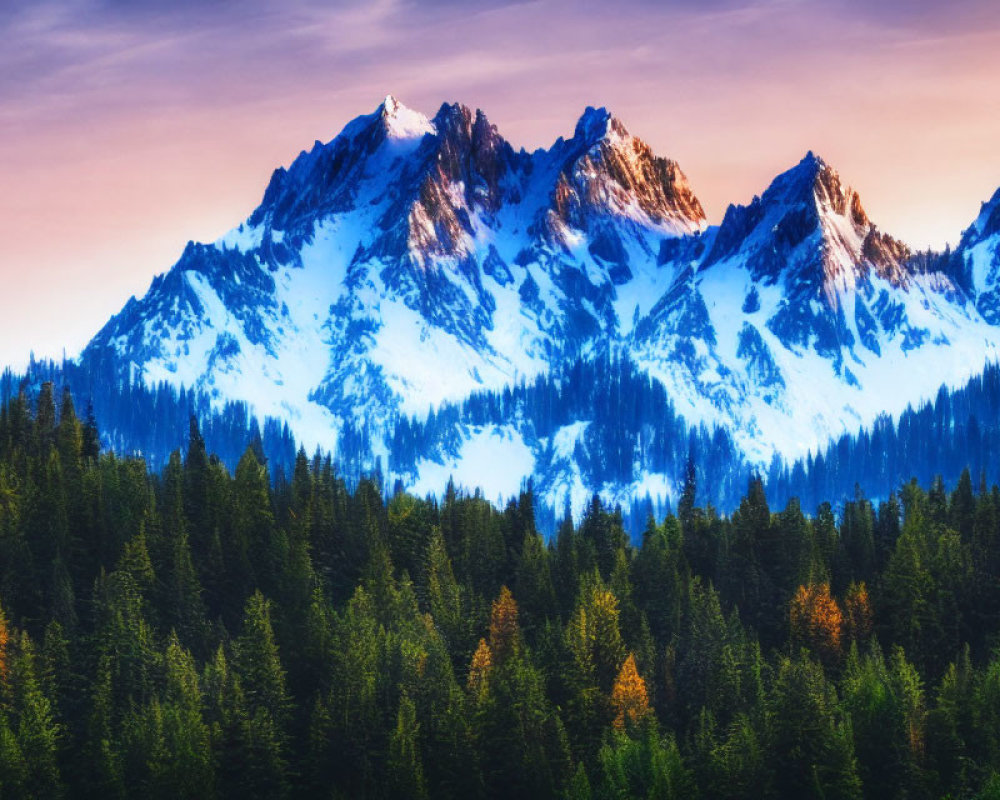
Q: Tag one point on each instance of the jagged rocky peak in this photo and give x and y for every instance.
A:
(400, 122)
(882, 253)
(977, 260)
(815, 184)
(389, 106)
(987, 224)
(811, 179)
(596, 124)
(810, 229)
(327, 178)
(464, 178)
(832, 197)
(471, 153)
(610, 172)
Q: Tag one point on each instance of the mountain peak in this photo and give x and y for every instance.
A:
(593, 124)
(596, 125)
(809, 220)
(810, 177)
(454, 115)
(814, 171)
(988, 221)
(390, 105)
(813, 161)
(400, 122)
(607, 172)
(814, 183)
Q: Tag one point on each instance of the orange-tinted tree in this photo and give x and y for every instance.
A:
(479, 669)
(4, 642)
(503, 626)
(628, 696)
(817, 621)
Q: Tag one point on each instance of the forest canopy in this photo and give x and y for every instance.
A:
(197, 631)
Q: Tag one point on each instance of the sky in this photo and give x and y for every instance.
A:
(128, 127)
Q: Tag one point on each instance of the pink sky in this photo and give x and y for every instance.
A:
(127, 128)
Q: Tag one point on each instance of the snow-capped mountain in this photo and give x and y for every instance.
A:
(797, 319)
(412, 261)
(409, 261)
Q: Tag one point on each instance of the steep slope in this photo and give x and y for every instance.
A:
(797, 320)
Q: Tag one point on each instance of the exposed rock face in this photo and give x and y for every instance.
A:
(610, 174)
(811, 232)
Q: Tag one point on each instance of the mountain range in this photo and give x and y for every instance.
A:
(414, 263)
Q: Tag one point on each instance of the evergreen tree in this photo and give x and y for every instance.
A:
(811, 746)
(405, 773)
(33, 723)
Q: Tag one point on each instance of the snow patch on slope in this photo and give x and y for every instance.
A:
(494, 459)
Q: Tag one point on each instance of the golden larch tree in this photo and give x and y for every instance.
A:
(479, 669)
(503, 626)
(817, 621)
(629, 698)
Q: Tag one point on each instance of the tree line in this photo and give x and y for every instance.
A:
(631, 430)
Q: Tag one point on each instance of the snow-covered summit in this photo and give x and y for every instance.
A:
(401, 122)
(413, 260)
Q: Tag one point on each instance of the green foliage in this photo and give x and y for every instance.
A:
(811, 748)
(731, 762)
(887, 708)
(32, 722)
(405, 771)
(196, 633)
(648, 766)
(523, 747)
